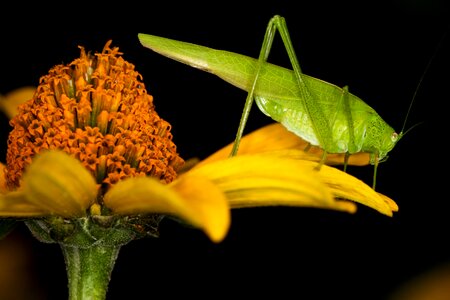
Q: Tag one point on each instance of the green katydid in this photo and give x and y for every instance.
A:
(321, 113)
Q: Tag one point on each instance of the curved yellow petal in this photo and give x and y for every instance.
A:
(3, 188)
(194, 200)
(59, 183)
(274, 137)
(141, 195)
(348, 187)
(343, 185)
(209, 202)
(268, 180)
(15, 204)
(391, 203)
(11, 101)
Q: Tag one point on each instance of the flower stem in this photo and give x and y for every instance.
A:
(89, 270)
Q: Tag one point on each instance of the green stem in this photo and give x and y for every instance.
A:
(89, 270)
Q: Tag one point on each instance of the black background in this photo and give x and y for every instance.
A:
(379, 49)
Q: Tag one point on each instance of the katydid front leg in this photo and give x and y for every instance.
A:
(351, 131)
(352, 148)
(311, 106)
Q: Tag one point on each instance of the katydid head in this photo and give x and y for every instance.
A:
(388, 140)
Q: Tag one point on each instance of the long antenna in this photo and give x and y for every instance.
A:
(439, 45)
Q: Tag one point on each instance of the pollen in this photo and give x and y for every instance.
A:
(98, 110)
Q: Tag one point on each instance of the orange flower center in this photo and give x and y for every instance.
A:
(98, 110)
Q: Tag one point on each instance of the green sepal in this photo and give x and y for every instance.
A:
(82, 232)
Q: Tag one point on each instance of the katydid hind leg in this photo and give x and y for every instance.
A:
(318, 120)
(307, 100)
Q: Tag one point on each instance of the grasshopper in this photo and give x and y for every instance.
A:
(320, 112)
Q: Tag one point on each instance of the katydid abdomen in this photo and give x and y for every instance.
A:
(364, 134)
(355, 128)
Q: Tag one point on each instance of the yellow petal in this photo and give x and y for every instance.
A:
(3, 188)
(348, 187)
(391, 203)
(10, 102)
(15, 204)
(188, 164)
(194, 200)
(276, 137)
(59, 183)
(209, 203)
(265, 180)
(343, 185)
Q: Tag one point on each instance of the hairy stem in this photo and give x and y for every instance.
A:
(89, 270)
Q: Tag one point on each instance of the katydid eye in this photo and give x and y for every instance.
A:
(394, 136)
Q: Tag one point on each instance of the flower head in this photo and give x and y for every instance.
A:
(91, 126)
(97, 110)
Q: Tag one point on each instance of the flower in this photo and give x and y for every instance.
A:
(91, 165)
